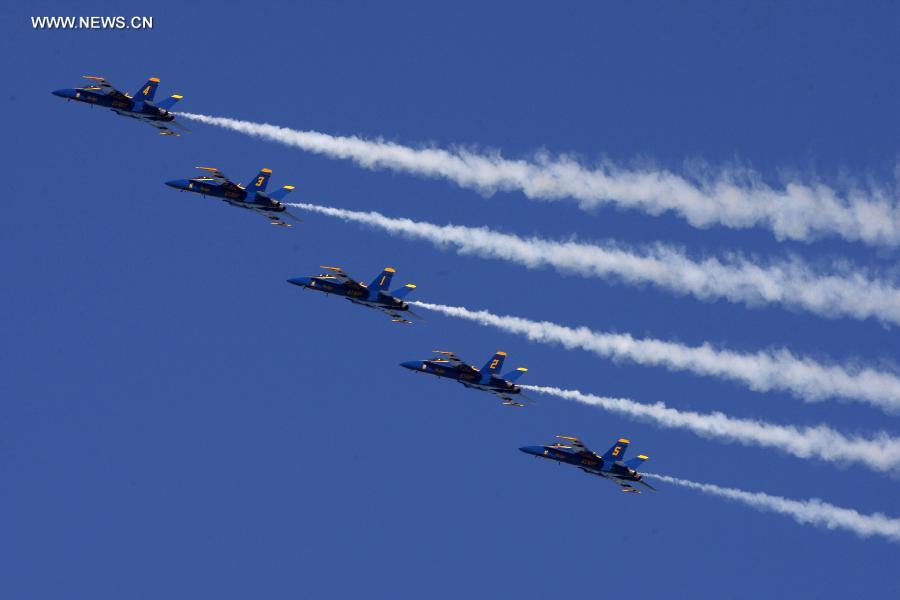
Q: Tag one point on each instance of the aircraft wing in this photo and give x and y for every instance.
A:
(451, 358)
(98, 83)
(273, 220)
(574, 442)
(627, 487)
(215, 175)
(163, 129)
(338, 273)
(510, 401)
(395, 316)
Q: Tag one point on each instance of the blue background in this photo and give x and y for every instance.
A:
(179, 422)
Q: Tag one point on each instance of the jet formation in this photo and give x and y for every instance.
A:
(447, 365)
(140, 106)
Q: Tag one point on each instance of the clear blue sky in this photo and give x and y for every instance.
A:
(179, 422)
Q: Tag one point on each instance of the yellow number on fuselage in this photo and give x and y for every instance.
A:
(259, 181)
(616, 450)
(146, 90)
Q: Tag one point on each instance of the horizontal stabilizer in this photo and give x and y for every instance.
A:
(169, 102)
(637, 461)
(642, 482)
(281, 193)
(404, 291)
(514, 375)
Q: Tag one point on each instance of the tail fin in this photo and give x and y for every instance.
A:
(169, 102)
(280, 194)
(382, 281)
(404, 291)
(259, 183)
(617, 452)
(637, 461)
(494, 365)
(514, 375)
(147, 91)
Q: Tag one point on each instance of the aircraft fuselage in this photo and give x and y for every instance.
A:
(465, 375)
(123, 106)
(587, 462)
(233, 195)
(354, 293)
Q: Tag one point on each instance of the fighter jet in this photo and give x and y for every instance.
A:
(449, 366)
(252, 196)
(608, 466)
(140, 106)
(373, 295)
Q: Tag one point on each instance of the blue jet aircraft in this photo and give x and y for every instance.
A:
(373, 295)
(140, 106)
(608, 466)
(252, 196)
(449, 366)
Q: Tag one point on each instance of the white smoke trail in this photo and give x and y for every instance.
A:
(760, 371)
(792, 284)
(799, 211)
(879, 451)
(812, 511)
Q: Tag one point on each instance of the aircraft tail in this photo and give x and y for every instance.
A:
(383, 280)
(494, 365)
(281, 193)
(147, 91)
(617, 452)
(169, 102)
(404, 291)
(637, 461)
(259, 183)
(514, 375)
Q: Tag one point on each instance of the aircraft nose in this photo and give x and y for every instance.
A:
(412, 365)
(301, 281)
(177, 183)
(64, 93)
(536, 450)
